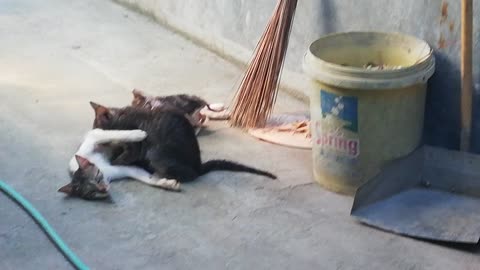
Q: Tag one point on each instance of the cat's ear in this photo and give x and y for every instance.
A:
(99, 109)
(83, 163)
(67, 189)
(138, 97)
(102, 113)
(138, 93)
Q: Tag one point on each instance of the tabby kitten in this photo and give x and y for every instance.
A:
(91, 171)
(198, 109)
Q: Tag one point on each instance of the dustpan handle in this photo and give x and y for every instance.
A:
(466, 75)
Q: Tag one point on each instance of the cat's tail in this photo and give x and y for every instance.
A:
(226, 165)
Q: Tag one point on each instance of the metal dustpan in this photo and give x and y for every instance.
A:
(432, 194)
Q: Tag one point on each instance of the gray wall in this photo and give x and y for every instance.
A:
(233, 27)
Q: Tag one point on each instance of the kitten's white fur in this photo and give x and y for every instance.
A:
(110, 172)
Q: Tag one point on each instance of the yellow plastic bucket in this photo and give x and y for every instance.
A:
(361, 116)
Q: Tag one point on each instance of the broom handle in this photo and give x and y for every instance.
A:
(466, 75)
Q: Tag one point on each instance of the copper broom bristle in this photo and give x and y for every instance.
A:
(256, 95)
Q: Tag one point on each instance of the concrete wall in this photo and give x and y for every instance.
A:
(233, 27)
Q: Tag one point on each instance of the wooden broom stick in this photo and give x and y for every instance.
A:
(466, 75)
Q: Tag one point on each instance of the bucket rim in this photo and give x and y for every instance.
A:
(418, 72)
(363, 70)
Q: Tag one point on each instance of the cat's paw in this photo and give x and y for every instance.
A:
(217, 107)
(137, 135)
(169, 184)
(173, 184)
(216, 115)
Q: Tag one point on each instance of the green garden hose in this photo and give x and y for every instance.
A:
(20, 200)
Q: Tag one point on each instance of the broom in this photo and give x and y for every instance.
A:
(256, 95)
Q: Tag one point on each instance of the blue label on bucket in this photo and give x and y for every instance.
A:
(342, 107)
(337, 130)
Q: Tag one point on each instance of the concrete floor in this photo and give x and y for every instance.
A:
(57, 55)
